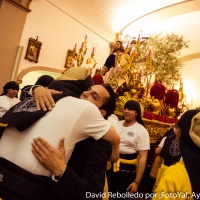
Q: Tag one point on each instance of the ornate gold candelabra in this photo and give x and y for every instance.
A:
(91, 61)
(76, 59)
(82, 52)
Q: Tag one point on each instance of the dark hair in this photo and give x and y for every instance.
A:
(44, 80)
(10, 85)
(135, 105)
(121, 46)
(110, 103)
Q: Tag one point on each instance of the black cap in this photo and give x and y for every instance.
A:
(10, 85)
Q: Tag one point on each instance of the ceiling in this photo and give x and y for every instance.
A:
(108, 17)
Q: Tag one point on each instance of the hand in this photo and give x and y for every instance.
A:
(43, 98)
(133, 187)
(52, 159)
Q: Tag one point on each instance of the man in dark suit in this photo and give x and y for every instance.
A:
(84, 176)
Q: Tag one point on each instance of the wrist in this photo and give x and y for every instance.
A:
(57, 175)
(56, 178)
(60, 171)
(35, 87)
(136, 182)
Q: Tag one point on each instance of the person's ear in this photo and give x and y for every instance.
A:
(103, 112)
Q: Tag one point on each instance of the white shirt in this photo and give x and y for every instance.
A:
(133, 138)
(6, 103)
(72, 118)
(162, 142)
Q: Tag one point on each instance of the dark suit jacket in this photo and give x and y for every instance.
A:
(85, 173)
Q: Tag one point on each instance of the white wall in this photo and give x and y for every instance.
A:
(58, 32)
(191, 82)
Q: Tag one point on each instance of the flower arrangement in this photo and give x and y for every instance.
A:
(121, 89)
(157, 91)
(160, 118)
(171, 98)
(98, 79)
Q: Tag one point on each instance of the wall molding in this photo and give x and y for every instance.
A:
(21, 4)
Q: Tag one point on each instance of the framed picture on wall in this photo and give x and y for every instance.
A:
(33, 50)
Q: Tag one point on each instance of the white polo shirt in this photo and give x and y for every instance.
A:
(133, 138)
(72, 118)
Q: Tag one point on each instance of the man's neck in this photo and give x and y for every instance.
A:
(129, 123)
(118, 51)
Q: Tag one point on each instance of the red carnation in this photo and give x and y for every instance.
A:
(98, 79)
(157, 91)
(121, 89)
(171, 98)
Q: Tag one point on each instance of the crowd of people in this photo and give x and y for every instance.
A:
(64, 142)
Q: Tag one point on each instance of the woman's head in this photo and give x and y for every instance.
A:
(134, 106)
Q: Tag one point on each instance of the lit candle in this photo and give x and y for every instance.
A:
(86, 36)
(75, 45)
(139, 37)
(82, 44)
(93, 49)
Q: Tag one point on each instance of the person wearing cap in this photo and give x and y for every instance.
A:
(181, 181)
(126, 174)
(9, 97)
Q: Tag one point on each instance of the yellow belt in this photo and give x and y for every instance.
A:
(125, 161)
(116, 168)
(3, 125)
